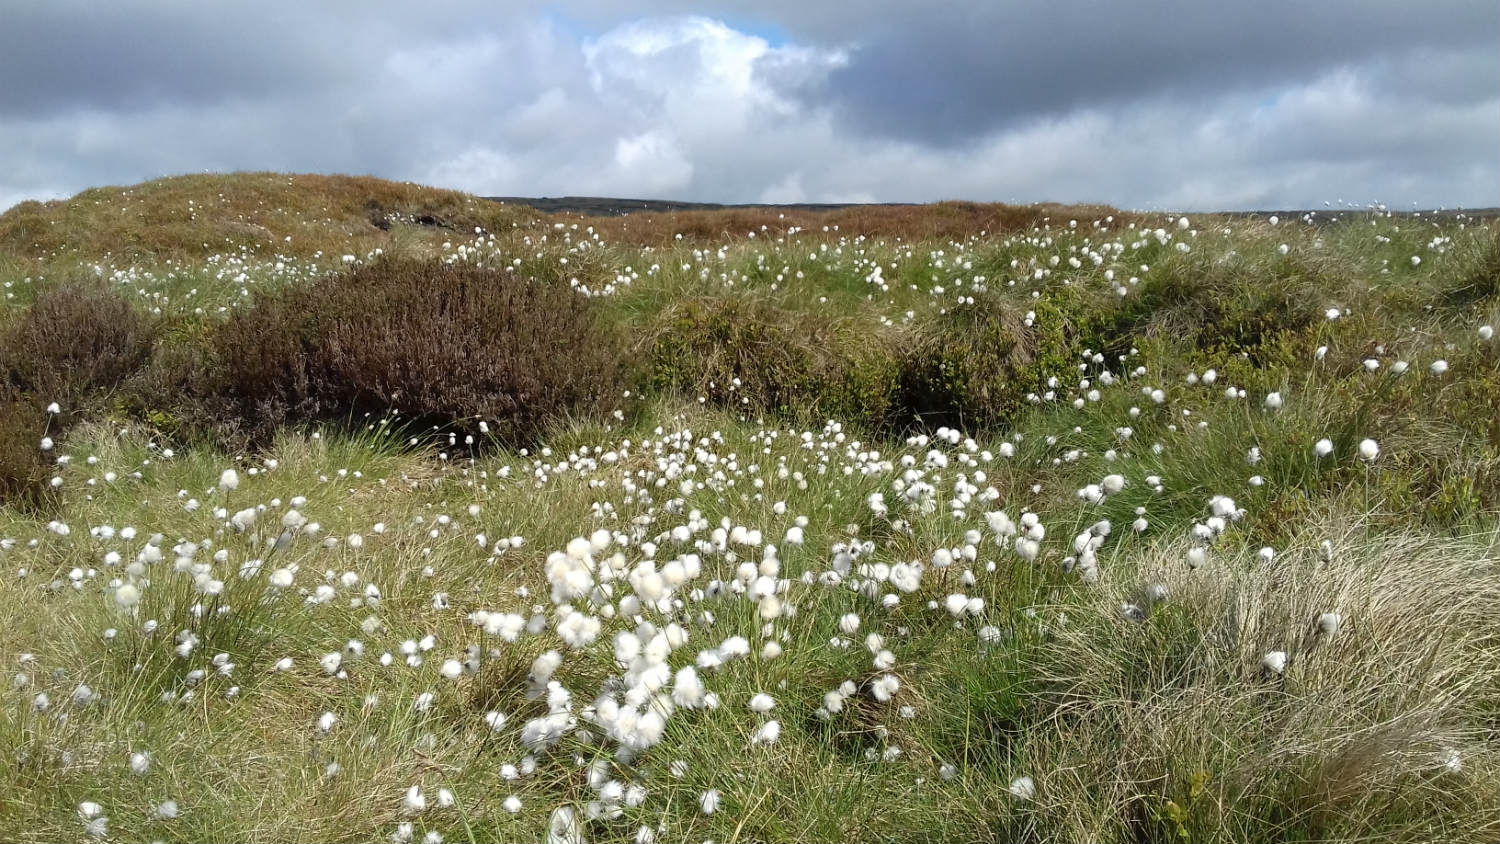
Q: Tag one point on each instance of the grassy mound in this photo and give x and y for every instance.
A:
(263, 213)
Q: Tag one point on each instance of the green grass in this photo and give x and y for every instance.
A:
(1161, 724)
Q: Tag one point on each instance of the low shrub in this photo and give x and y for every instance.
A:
(446, 345)
(75, 344)
(749, 353)
(974, 366)
(23, 465)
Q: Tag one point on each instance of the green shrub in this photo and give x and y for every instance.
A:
(974, 366)
(749, 353)
(450, 345)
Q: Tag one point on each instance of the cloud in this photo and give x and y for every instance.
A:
(1163, 104)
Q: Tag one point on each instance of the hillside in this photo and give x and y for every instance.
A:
(336, 509)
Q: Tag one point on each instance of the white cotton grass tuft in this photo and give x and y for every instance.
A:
(564, 826)
(708, 801)
(1329, 623)
(1197, 556)
(1368, 449)
(127, 595)
(1274, 662)
(766, 734)
(1323, 448)
(1022, 788)
(95, 824)
(885, 687)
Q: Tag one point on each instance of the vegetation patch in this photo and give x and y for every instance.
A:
(459, 347)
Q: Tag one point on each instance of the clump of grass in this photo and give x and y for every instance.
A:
(1371, 725)
(977, 366)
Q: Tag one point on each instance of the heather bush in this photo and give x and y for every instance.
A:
(23, 465)
(455, 346)
(74, 345)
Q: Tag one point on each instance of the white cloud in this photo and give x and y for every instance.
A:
(652, 162)
(690, 107)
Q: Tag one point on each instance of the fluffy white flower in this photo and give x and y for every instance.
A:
(564, 827)
(127, 595)
(1274, 661)
(1022, 788)
(768, 733)
(687, 689)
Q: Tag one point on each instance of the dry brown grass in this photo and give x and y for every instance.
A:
(941, 220)
(195, 215)
(1354, 736)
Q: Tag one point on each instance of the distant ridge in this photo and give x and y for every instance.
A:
(599, 206)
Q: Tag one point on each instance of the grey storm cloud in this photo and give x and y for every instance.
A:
(1157, 104)
(950, 73)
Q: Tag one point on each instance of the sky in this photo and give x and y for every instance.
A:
(1152, 105)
